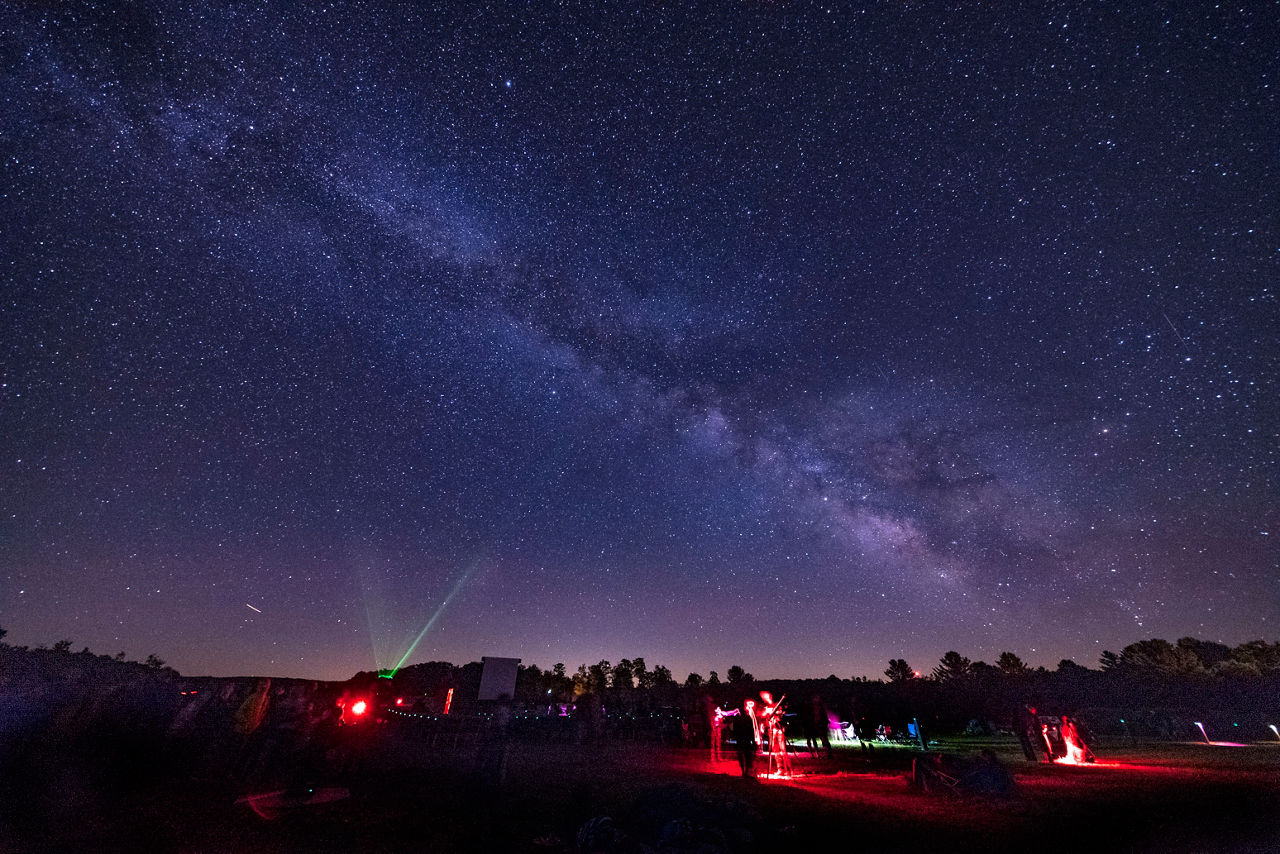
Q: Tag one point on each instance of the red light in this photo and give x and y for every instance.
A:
(359, 707)
(399, 701)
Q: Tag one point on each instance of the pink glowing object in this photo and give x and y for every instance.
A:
(1203, 733)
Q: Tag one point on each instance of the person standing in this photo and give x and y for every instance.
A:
(1024, 723)
(712, 718)
(771, 724)
(744, 740)
(821, 719)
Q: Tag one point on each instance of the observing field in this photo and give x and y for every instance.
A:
(403, 795)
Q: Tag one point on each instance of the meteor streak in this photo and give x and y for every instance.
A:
(251, 608)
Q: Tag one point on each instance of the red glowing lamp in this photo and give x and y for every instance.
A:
(359, 707)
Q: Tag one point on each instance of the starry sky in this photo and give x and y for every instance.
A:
(791, 336)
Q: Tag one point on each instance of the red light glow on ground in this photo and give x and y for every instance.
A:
(1067, 760)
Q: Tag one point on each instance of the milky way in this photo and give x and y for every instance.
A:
(766, 334)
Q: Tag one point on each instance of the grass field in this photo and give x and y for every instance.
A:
(406, 797)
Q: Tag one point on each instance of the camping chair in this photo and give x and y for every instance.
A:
(929, 775)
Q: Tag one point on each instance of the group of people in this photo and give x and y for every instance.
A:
(758, 725)
(751, 726)
(1042, 741)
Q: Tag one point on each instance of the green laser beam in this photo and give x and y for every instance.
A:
(434, 617)
(368, 618)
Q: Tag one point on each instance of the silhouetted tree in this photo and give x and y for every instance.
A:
(714, 678)
(1232, 669)
(693, 680)
(1108, 660)
(1011, 665)
(1263, 655)
(984, 673)
(644, 679)
(623, 674)
(559, 681)
(1208, 653)
(899, 671)
(737, 674)
(952, 666)
(63, 645)
(529, 683)
(1160, 656)
(154, 661)
(661, 677)
(598, 676)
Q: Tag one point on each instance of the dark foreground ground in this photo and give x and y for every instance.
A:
(405, 795)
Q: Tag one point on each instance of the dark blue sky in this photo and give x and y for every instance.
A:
(766, 334)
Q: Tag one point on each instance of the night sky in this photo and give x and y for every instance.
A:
(764, 333)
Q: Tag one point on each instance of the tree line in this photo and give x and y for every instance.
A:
(1150, 687)
(1186, 657)
(64, 646)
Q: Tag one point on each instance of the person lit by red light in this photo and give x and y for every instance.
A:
(1077, 751)
(771, 720)
(1049, 752)
(750, 706)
